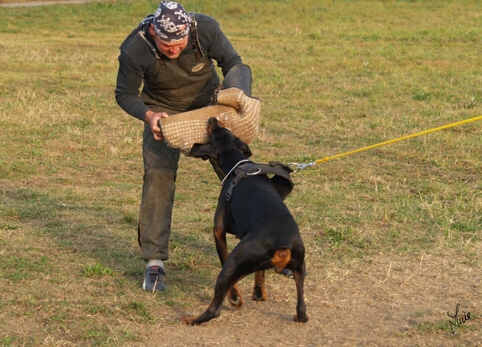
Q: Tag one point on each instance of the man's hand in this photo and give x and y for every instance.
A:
(153, 119)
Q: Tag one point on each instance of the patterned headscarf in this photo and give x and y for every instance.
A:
(171, 21)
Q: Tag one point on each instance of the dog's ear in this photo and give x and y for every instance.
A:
(213, 122)
(243, 147)
(202, 150)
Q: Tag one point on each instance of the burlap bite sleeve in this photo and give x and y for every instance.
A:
(236, 110)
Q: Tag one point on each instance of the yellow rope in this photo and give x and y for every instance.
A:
(318, 161)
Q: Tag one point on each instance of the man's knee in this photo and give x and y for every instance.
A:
(160, 183)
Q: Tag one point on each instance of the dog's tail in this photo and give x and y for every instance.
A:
(280, 259)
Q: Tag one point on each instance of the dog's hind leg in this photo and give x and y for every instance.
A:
(300, 315)
(227, 278)
(259, 289)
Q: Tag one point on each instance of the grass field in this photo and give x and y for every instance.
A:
(393, 234)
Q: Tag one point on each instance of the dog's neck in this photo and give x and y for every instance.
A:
(234, 168)
(230, 162)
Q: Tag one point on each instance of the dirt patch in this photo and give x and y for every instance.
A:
(381, 301)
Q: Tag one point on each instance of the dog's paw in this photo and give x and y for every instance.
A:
(189, 320)
(259, 294)
(258, 297)
(236, 302)
(235, 298)
(300, 319)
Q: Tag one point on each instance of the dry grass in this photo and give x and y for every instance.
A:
(24, 2)
(393, 235)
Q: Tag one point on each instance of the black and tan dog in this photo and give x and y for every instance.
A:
(253, 210)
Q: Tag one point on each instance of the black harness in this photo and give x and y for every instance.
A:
(281, 176)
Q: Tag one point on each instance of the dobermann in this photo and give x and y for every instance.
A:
(253, 210)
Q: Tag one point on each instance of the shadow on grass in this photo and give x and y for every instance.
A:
(108, 236)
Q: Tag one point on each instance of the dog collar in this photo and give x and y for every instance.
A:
(234, 168)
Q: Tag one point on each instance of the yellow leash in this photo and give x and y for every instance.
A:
(318, 161)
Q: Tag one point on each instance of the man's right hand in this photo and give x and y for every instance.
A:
(153, 119)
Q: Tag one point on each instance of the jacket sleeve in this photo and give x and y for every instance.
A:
(129, 81)
(218, 45)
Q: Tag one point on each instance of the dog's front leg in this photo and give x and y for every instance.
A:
(259, 289)
(220, 229)
(219, 232)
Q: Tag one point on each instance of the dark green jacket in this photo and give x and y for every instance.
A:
(176, 85)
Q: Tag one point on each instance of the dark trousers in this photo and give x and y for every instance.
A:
(155, 217)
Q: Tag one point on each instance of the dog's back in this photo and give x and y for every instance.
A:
(260, 210)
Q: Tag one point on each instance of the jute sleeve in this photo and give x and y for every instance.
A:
(237, 111)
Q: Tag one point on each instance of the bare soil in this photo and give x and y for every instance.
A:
(387, 300)
(383, 300)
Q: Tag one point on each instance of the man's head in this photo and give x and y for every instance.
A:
(170, 29)
(171, 22)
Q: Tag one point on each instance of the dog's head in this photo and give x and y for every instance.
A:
(220, 140)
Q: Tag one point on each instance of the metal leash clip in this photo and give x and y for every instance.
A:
(302, 166)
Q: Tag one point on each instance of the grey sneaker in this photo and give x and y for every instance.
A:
(288, 273)
(154, 279)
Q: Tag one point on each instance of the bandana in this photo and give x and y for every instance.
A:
(171, 21)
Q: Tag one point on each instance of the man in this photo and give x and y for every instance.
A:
(171, 55)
